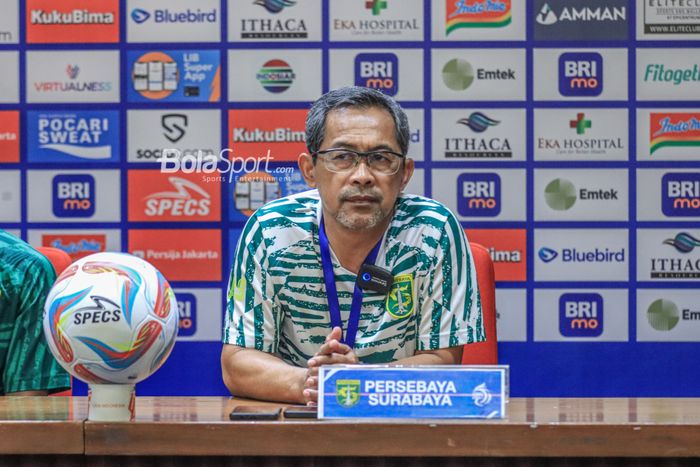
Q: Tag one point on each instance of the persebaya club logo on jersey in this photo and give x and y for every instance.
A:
(674, 130)
(399, 301)
(476, 14)
(347, 392)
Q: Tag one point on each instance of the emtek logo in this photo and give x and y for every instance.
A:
(680, 194)
(187, 310)
(74, 195)
(479, 194)
(581, 315)
(580, 74)
(378, 71)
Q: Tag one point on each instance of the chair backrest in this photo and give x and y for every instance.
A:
(60, 261)
(484, 353)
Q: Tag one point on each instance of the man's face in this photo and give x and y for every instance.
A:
(360, 198)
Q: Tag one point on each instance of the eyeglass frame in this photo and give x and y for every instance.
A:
(361, 155)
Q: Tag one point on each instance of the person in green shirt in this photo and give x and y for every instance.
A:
(26, 364)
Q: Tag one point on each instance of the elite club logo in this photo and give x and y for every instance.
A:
(580, 124)
(378, 71)
(560, 194)
(73, 195)
(376, 6)
(580, 74)
(663, 315)
(581, 315)
(275, 6)
(674, 130)
(187, 311)
(175, 126)
(680, 194)
(457, 74)
(275, 76)
(477, 14)
(479, 194)
(683, 242)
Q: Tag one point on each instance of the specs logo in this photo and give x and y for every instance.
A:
(479, 194)
(581, 315)
(378, 71)
(74, 195)
(187, 311)
(580, 74)
(276, 76)
(680, 194)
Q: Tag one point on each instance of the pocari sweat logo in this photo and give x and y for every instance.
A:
(581, 315)
(187, 310)
(73, 195)
(580, 74)
(479, 194)
(378, 71)
(680, 195)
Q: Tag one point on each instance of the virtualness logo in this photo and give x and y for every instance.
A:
(458, 74)
(560, 194)
(275, 6)
(683, 242)
(275, 76)
(663, 315)
(72, 71)
(139, 16)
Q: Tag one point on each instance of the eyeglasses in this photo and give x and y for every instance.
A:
(344, 160)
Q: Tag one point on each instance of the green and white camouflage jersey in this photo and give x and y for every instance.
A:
(277, 299)
(26, 277)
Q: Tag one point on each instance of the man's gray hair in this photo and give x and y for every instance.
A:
(353, 96)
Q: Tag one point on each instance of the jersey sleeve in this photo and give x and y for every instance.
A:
(451, 311)
(252, 310)
(29, 365)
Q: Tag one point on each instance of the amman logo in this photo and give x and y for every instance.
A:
(399, 302)
(347, 392)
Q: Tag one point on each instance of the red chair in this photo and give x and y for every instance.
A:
(484, 353)
(60, 261)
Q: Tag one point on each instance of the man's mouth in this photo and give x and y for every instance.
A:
(362, 199)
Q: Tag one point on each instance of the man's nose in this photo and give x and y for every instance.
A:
(362, 174)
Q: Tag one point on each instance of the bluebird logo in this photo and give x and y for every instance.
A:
(378, 71)
(479, 194)
(680, 195)
(74, 195)
(187, 310)
(580, 74)
(139, 16)
(547, 254)
(581, 315)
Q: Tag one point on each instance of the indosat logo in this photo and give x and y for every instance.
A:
(479, 194)
(675, 267)
(674, 130)
(74, 195)
(477, 14)
(581, 315)
(165, 16)
(580, 74)
(458, 74)
(680, 194)
(478, 147)
(378, 71)
(560, 194)
(658, 73)
(573, 255)
(275, 76)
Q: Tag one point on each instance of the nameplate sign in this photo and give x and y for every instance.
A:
(381, 392)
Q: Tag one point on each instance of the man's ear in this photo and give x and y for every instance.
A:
(307, 168)
(407, 173)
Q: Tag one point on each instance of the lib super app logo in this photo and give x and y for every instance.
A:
(581, 315)
(580, 74)
(73, 195)
(680, 195)
(187, 310)
(479, 194)
(378, 71)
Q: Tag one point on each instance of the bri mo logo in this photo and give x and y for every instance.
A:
(73, 195)
(580, 74)
(680, 194)
(378, 71)
(187, 310)
(479, 194)
(581, 315)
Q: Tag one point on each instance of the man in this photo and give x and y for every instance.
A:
(27, 366)
(284, 319)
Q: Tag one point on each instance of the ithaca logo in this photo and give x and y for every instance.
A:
(680, 194)
(175, 126)
(165, 16)
(572, 255)
(378, 71)
(74, 195)
(580, 74)
(104, 311)
(187, 311)
(673, 130)
(275, 6)
(678, 267)
(180, 202)
(276, 76)
(547, 16)
(265, 28)
(479, 194)
(478, 147)
(581, 315)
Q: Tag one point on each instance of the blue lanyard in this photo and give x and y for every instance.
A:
(332, 292)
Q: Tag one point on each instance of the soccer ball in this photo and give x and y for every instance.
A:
(111, 318)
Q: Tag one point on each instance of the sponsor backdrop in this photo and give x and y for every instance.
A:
(565, 135)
